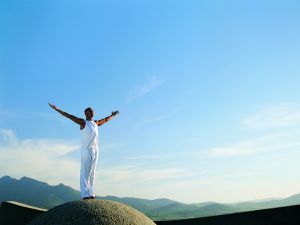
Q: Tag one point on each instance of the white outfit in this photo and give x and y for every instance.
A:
(89, 158)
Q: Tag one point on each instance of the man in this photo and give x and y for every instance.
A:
(89, 148)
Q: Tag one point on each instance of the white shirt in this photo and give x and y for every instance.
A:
(89, 135)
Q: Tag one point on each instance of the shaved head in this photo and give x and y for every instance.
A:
(89, 113)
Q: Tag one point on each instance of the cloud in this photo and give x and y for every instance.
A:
(151, 157)
(5, 114)
(110, 146)
(57, 161)
(42, 159)
(154, 120)
(49, 160)
(126, 174)
(281, 115)
(143, 89)
(268, 143)
(7, 137)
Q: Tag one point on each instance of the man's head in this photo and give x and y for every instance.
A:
(89, 113)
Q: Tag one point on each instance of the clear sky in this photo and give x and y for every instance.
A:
(208, 94)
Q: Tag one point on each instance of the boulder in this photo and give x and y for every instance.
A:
(92, 212)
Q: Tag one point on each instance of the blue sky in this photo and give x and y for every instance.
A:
(208, 94)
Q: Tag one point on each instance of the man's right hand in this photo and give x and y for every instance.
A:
(53, 106)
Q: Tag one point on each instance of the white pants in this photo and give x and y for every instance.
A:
(89, 159)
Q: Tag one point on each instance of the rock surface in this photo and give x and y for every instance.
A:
(92, 212)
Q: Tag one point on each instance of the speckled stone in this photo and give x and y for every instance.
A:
(92, 212)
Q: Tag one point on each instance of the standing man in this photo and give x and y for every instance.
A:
(89, 148)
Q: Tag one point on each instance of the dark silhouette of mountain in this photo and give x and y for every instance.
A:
(40, 194)
(36, 193)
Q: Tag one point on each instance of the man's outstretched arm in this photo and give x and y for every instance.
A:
(75, 119)
(106, 119)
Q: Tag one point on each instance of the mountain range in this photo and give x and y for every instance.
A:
(40, 194)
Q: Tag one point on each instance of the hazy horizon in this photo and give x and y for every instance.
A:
(249, 200)
(208, 94)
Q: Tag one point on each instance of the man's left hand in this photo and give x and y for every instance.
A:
(115, 113)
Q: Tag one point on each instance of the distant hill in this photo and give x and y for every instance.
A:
(36, 193)
(40, 194)
(143, 205)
